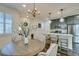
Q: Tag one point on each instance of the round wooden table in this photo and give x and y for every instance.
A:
(33, 48)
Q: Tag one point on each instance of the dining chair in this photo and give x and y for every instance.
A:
(52, 51)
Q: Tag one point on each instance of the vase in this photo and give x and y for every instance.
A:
(26, 41)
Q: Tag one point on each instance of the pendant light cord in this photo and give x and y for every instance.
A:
(61, 13)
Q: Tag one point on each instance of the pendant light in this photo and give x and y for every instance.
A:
(61, 19)
(49, 16)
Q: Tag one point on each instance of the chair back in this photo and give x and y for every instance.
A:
(52, 51)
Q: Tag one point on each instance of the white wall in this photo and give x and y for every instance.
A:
(38, 32)
(5, 38)
(33, 24)
(46, 25)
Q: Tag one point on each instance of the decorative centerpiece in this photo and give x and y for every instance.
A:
(24, 31)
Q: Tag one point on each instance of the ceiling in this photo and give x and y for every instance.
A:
(44, 8)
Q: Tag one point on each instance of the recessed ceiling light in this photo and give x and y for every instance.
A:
(24, 5)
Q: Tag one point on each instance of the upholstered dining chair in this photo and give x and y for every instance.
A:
(52, 51)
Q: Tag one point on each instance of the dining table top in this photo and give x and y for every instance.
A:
(34, 47)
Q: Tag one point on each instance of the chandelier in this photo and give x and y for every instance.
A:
(34, 12)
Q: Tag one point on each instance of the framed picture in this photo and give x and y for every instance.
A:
(39, 25)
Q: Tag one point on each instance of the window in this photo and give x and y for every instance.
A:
(8, 23)
(5, 23)
(1, 22)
